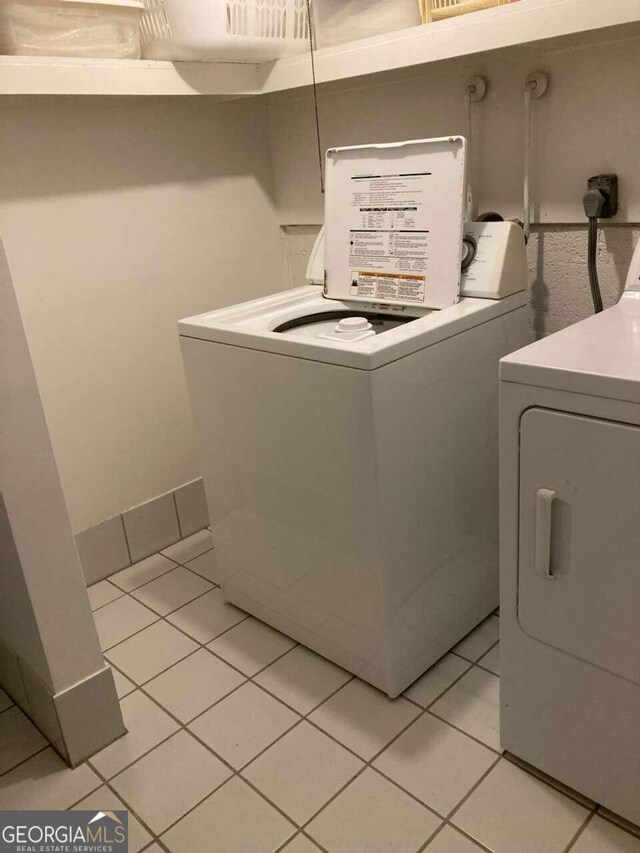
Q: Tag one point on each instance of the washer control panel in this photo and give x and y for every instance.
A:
(499, 267)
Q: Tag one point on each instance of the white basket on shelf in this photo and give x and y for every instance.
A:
(438, 10)
(155, 32)
(237, 30)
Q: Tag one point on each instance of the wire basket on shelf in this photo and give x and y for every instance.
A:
(238, 30)
(154, 26)
(438, 10)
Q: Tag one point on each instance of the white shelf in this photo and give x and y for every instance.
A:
(571, 22)
(26, 75)
(558, 22)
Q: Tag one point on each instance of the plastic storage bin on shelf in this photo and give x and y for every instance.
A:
(85, 28)
(338, 21)
(438, 10)
(237, 30)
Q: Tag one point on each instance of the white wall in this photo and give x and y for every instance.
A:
(588, 123)
(120, 216)
(45, 617)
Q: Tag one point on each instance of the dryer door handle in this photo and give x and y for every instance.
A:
(542, 545)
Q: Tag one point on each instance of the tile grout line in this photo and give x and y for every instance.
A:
(193, 571)
(310, 838)
(171, 612)
(210, 794)
(160, 618)
(33, 754)
(206, 644)
(213, 586)
(300, 834)
(300, 830)
(449, 817)
(575, 797)
(135, 633)
(157, 577)
(311, 722)
(178, 660)
(466, 835)
(484, 669)
(181, 727)
(483, 654)
(457, 829)
(423, 710)
(304, 717)
(107, 783)
(238, 773)
(233, 771)
(184, 727)
(368, 764)
(463, 732)
(441, 694)
(117, 598)
(490, 649)
(580, 830)
(248, 680)
(197, 574)
(431, 838)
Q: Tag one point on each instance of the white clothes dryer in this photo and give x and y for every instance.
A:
(570, 558)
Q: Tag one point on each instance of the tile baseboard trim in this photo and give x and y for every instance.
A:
(118, 542)
(89, 716)
(78, 721)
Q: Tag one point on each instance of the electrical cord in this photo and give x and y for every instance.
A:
(312, 49)
(594, 202)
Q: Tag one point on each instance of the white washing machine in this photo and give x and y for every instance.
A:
(349, 433)
(570, 559)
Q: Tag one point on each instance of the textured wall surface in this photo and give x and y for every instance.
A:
(558, 278)
(584, 125)
(587, 123)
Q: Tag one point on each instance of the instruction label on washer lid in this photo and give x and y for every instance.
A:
(389, 236)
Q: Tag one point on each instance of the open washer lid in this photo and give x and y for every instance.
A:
(393, 217)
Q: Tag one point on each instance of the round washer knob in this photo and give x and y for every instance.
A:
(354, 324)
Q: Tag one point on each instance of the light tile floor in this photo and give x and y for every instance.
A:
(241, 741)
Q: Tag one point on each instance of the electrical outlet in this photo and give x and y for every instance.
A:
(608, 186)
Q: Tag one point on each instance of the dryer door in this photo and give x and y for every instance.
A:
(579, 548)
